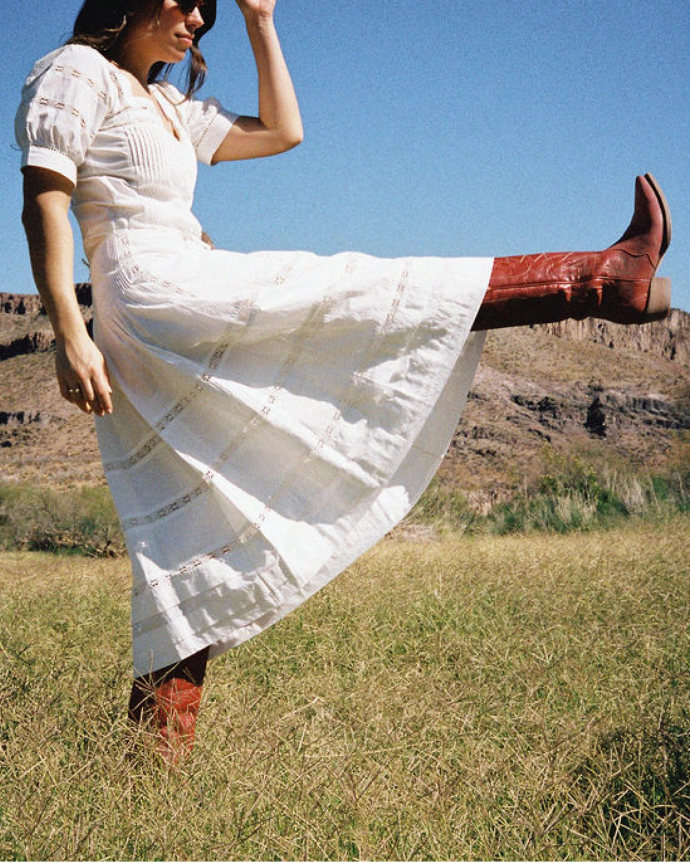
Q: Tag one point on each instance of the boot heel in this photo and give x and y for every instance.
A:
(659, 299)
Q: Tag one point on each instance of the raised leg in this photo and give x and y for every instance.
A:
(617, 284)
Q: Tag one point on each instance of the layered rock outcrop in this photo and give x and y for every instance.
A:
(669, 338)
(24, 325)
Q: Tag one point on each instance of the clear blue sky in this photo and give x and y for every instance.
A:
(440, 127)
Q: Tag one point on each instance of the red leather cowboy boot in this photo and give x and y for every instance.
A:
(169, 699)
(175, 713)
(617, 284)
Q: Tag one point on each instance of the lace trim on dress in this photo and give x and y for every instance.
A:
(72, 72)
(253, 528)
(310, 326)
(45, 102)
(199, 141)
(245, 316)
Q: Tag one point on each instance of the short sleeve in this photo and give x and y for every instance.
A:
(64, 101)
(206, 120)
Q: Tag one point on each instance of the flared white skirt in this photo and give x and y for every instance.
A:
(275, 414)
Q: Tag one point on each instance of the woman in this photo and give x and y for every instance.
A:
(263, 418)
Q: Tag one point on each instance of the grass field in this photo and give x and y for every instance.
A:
(481, 697)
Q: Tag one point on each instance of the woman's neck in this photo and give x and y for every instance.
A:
(133, 62)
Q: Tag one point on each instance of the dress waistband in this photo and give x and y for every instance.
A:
(153, 237)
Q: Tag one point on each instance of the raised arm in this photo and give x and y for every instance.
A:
(279, 125)
(80, 366)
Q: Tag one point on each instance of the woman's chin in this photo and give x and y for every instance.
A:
(174, 55)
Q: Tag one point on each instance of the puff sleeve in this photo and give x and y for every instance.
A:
(208, 125)
(65, 99)
(206, 121)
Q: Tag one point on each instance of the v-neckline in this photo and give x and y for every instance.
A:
(165, 117)
(148, 97)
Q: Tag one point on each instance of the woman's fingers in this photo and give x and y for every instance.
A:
(89, 398)
(97, 392)
(83, 378)
(75, 395)
(256, 7)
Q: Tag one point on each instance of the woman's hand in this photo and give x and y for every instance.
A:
(82, 375)
(256, 8)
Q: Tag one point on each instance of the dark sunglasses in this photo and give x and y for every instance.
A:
(188, 6)
(207, 8)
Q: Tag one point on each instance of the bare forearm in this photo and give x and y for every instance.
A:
(51, 249)
(80, 367)
(278, 106)
(279, 125)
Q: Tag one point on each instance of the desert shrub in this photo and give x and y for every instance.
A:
(551, 513)
(75, 520)
(574, 501)
(680, 484)
(571, 496)
(443, 508)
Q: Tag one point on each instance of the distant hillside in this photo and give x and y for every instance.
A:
(613, 395)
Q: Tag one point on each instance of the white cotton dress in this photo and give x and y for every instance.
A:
(275, 413)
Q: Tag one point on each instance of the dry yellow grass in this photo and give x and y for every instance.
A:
(522, 698)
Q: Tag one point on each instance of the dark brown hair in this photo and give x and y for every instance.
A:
(102, 23)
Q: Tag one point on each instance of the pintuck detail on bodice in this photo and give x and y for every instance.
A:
(79, 116)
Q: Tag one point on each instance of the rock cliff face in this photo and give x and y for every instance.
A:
(30, 305)
(19, 304)
(669, 338)
(28, 344)
(616, 396)
(24, 324)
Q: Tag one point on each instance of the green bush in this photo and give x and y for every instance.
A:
(75, 520)
(443, 508)
(572, 497)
